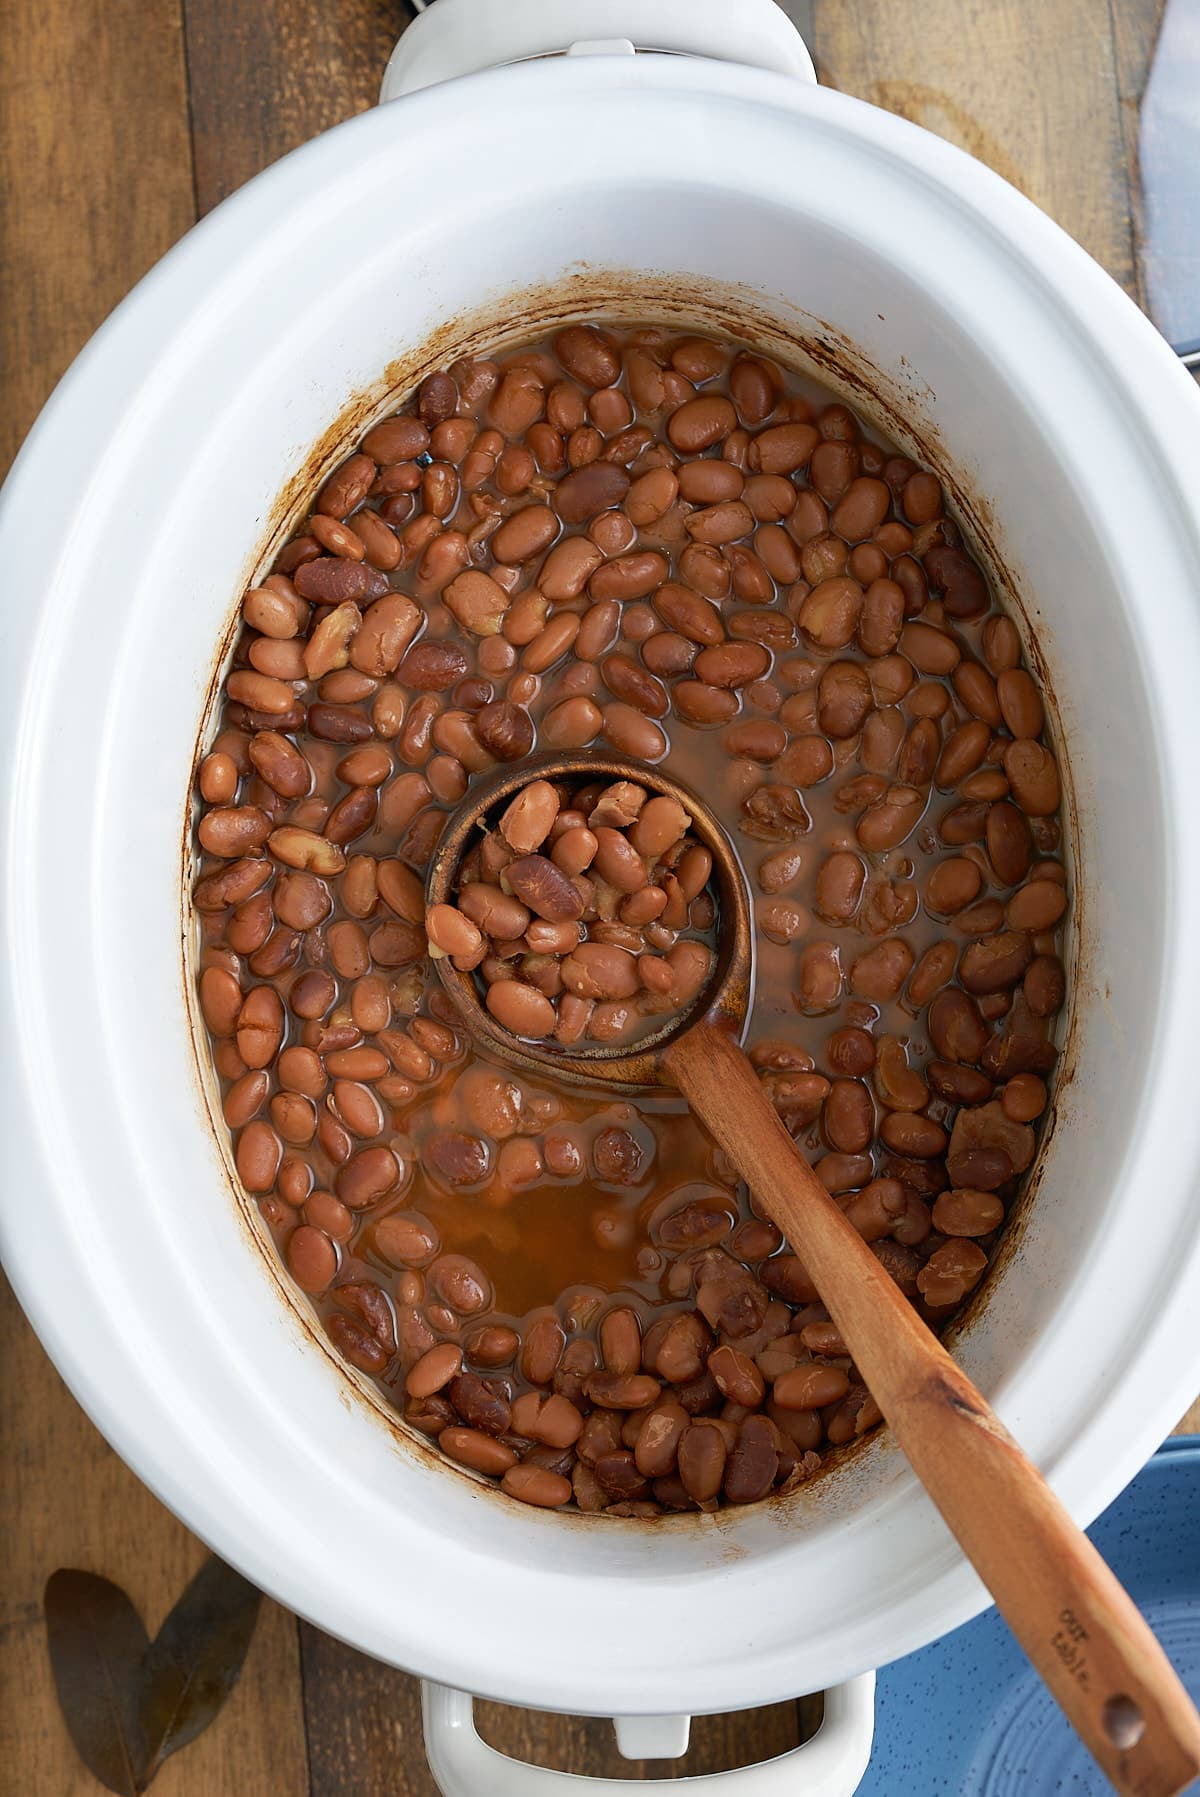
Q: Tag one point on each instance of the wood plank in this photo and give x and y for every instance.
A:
(364, 1723)
(365, 1731)
(1189, 1422)
(95, 146)
(1135, 32)
(587, 1744)
(98, 177)
(67, 1500)
(1028, 88)
(269, 77)
(1135, 28)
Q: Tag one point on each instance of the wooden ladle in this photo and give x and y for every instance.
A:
(1078, 1626)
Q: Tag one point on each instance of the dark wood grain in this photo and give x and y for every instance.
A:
(587, 1745)
(96, 172)
(268, 77)
(66, 1499)
(120, 120)
(364, 1723)
(95, 185)
(1135, 32)
(1028, 88)
(364, 1726)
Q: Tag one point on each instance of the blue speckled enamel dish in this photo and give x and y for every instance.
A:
(968, 1716)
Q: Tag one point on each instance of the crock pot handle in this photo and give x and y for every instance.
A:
(830, 1765)
(461, 37)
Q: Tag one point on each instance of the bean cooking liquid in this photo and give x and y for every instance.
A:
(676, 549)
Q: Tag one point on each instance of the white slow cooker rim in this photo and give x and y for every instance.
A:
(1148, 384)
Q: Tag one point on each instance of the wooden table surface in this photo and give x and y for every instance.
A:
(121, 123)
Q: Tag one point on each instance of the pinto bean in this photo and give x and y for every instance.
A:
(629, 576)
(1033, 777)
(996, 963)
(720, 524)
(481, 1452)
(527, 821)
(631, 733)
(618, 862)
(738, 1377)
(312, 1259)
(699, 423)
(260, 1026)
(886, 824)
(931, 651)
(951, 1272)
(525, 534)
(877, 1209)
(520, 1009)
(622, 1391)
(689, 614)
(830, 613)
(388, 627)
(732, 664)
(848, 1116)
(964, 1212)
(953, 884)
(652, 494)
(368, 1176)
(839, 887)
(1009, 843)
(536, 1485)
(633, 685)
(810, 1388)
(1037, 907)
(588, 355)
(955, 1026)
(879, 974)
(844, 699)
(658, 1439)
(756, 739)
(819, 977)
(754, 1462)
(861, 509)
(659, 825)
(964, 590)
(783, 448)
(1020, 702)
(701, 1456)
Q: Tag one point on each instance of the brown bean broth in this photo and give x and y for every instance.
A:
(571, 1242)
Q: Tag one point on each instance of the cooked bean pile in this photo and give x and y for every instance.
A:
(665, 544)
(575, 909)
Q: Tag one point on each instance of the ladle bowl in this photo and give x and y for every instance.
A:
(723, 1000)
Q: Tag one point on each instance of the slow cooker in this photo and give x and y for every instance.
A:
(678, 163)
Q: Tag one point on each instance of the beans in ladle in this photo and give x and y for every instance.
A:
(596, 938)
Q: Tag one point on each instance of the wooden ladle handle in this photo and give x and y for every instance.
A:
(1078, 1626)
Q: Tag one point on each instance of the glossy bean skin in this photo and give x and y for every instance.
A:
(592, 970)
(656, 543)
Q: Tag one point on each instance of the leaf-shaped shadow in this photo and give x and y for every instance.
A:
(194, 1663)
(98, 1646)
(130, 1703)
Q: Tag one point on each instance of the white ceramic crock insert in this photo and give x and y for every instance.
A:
(137, 511)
